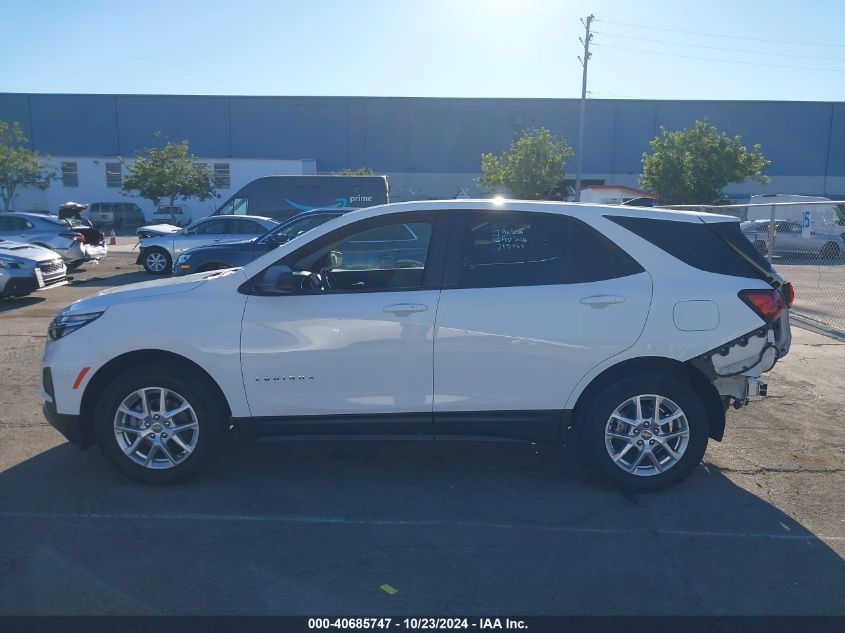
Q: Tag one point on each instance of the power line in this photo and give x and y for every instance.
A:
(732, 37)
(716, 48)
(716, 59)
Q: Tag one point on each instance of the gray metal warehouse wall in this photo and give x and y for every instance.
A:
(804, 140)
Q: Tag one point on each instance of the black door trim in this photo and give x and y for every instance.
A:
(523, 426)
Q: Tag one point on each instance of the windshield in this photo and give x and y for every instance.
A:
(286, 232)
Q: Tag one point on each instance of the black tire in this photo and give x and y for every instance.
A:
(153, 257)
(594, 415)
(830, 250)
(210, 419)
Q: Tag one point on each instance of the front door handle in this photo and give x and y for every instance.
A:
(602, 301)
(404, 309)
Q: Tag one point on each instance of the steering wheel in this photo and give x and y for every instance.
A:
(329, 282)
(323, 280)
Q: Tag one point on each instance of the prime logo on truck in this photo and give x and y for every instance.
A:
(281, 197)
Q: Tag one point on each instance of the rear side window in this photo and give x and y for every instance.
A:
(708, 247)
(496, 249)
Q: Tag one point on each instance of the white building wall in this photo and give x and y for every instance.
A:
(92, 183)
(403, 185)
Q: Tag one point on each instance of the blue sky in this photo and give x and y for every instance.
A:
(426, 48)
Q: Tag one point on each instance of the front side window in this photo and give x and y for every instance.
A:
(501, 248)
(386, 257)
(209, 227)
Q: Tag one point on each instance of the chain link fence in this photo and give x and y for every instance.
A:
(805, 242)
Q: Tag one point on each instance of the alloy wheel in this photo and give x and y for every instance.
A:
(156, 428)
(647, 435)
(156, 262)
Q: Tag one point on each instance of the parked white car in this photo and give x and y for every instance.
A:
(513, 320)
(25, 268)
(71, 238)
(158, 252)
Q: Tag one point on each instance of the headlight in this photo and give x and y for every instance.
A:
(7, 264)
(64, 323)
(183, 258)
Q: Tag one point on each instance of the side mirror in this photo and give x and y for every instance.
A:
(276, 280)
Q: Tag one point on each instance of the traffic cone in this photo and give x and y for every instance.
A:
(113, 238)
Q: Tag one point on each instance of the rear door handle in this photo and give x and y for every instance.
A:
(404, 309)
(602, 301)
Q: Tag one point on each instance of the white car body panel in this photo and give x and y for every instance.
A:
(144, 317)
(338, 354)
(489, 358)
(515, 348)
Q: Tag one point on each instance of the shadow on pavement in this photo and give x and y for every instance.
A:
(120, 279)
(7, 305)
(457, 528)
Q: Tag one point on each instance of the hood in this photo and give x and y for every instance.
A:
(159, 229)
(21, 253)
(137, 292)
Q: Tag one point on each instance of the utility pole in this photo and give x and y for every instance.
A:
(579, 152)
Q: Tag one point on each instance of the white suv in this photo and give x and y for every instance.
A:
(459, 318)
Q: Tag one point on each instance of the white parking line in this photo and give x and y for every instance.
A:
(308, 520)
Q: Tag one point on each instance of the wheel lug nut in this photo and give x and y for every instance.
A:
(163, 435)
(156, 417)
(651, 442)
(646, 424)
(639, 442)
(636, 431)
(152, 436)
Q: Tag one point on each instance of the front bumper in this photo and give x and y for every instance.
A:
(66, 424)
(17, 282)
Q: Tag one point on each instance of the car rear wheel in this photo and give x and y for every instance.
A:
(644, 433)
(157, 261)
(156, 427)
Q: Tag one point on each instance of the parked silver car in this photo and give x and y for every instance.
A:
(158, 252)
(25, 268)
(71, 238)
(790, 240)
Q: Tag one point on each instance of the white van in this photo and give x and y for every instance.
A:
(823, 217)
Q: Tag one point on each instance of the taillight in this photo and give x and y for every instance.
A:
(767, 303)
(76, 237)
(788, 294)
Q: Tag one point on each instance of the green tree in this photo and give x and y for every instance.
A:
(693, 165)
(532, 169)
(169, 173)
(361, 171)
(20, 165)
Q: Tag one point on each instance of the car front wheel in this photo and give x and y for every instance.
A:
(644, 433)
(157, 261)
(156, 427)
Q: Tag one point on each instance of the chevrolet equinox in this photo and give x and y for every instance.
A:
(638, 328)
